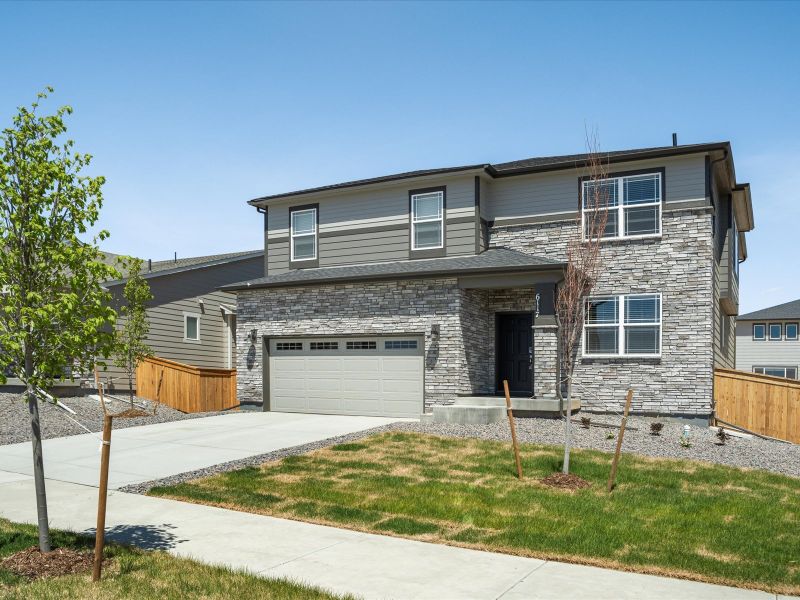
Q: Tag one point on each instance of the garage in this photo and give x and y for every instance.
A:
(374, 376)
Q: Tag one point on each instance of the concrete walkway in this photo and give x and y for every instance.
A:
(370, 566)
(154, 451)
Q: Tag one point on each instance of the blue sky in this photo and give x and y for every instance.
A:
(193, 108)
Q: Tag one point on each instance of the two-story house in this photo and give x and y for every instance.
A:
(385, 296)
(768, 342)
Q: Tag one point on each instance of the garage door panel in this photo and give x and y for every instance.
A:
(385, 380)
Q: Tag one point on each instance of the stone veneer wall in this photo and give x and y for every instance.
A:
(679, 266)
(455, 360)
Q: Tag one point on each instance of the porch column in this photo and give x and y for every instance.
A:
(545, 342)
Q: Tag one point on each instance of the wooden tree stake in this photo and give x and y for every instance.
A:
(513, 429)
(615, 462)
(102, 497)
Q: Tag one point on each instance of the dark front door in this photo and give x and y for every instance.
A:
(514, 344)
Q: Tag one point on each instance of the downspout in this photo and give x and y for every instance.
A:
(713, 386)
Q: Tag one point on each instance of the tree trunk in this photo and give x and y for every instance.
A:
(568, 427)
(38, 459)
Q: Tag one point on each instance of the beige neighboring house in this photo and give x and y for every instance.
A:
(191, 321)
(768, 342)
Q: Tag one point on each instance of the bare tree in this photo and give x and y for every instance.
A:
(584, 266)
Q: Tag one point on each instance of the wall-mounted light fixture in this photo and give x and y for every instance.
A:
(435, 329)
(253, 336)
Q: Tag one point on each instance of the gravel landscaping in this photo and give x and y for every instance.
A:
(15, 423)
(752, 452)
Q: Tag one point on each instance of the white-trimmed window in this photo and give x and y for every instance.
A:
(787, 372)
(791, 331)
(623, 325)
(633, 202)
(427, 221)
(304, 234)
(759, 331)
(191, 327)
(775, 331)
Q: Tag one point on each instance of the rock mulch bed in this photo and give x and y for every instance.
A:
(754, 453)
(15, 422)
(737, 452)
(33, 564)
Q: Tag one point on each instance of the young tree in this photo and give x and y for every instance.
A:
(131, 348)
(584, 266)
(55, 314)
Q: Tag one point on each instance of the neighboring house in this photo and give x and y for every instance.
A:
(767, 341)
(387, 295)
(191, 320)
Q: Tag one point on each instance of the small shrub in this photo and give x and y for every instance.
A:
(656, 427)
(723, 436)
(586, 422)
(685, 442)
(610, 436)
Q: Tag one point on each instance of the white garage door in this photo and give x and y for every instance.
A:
(380, 376)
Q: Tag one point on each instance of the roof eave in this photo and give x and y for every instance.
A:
(555, 266)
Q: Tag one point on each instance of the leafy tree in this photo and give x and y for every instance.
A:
(55, 314)
(131, 348)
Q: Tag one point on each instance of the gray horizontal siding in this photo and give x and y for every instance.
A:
(557, 192)
(750, 353)
(373, 226)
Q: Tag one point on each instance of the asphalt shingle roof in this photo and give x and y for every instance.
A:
(788, 310)
(494, 260)
(167, 267)
(541, 163)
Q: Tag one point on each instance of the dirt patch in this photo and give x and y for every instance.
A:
(565, 481)
(132, 413)
(718, 556)
(33, 564)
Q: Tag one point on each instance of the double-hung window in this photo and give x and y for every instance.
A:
(624, 325)
(633, 203)
(304, 234)
(427, 220)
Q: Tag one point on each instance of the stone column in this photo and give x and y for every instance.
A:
(545, 342)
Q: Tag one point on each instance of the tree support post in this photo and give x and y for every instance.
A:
(511, 423)
(100, 534)
(612, 477)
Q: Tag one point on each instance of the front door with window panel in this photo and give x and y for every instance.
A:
(514, 352)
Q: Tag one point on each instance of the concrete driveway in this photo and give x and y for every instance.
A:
(150, 452)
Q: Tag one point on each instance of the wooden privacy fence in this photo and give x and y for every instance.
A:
(184, 387)
(763, 404)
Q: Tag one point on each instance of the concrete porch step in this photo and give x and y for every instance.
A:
(483, 410)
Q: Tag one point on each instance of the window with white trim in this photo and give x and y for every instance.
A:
(791, 331)
(191, 327)
(759, 331)
(633, 203)
(787, 372)
(304, 234)
(623, 325)
(427, 221)
(775, 331)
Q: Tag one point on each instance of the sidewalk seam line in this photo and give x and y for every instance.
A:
(523, 578)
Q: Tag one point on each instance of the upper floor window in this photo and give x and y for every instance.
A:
(791, 331)
(304, 234)
(191, 327)
(633, 203)
(427, 221)
(775, 331)
(624, 325)
(759, 331)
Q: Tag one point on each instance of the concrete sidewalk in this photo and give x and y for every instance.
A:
(154, 451)
(370, 566)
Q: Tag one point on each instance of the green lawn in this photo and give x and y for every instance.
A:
(136, 574)
(681, 518)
